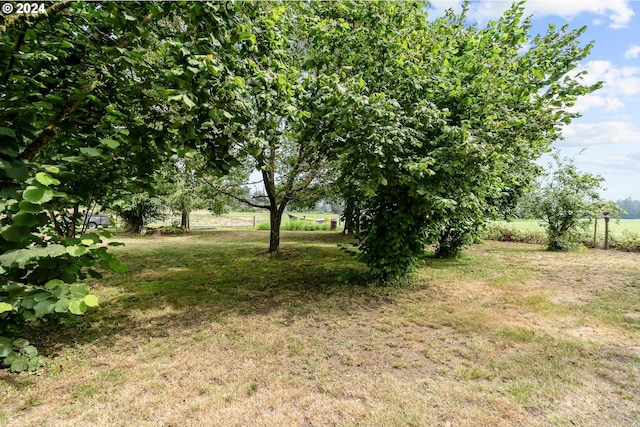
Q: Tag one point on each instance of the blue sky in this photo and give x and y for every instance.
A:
(609, 129)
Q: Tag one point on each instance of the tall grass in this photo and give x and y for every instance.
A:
(297, 225)
(625, 241)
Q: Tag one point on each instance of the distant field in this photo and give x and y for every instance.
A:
(615, 227)
(203, 219)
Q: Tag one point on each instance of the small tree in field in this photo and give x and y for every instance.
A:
(567, 200)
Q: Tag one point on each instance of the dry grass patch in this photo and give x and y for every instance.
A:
(207, 329)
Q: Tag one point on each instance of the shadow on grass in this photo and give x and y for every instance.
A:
(203, 277)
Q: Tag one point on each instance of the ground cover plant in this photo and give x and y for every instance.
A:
(207, 328)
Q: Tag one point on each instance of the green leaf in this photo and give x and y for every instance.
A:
(106, 233)
(37, 195)
(94, 274)
(188, 101)
(60, 290)
(90, 151)
(5, 346)
(27, 303)
(62, 305)
(19, 365)
(79, 290)
(52, 169)
(46, 179)
(23, 256)
(7, 132)
(239, 81)
(44, 307)
(76, 250)
(30, 351)
(16, 233)
(30, 207)
(77, 306)
(51, 284)
(15, 170)
(5, 307)
(90, 300)
(111, 143)
(25, 219)
(29, 35)
(89, 239)
(41, 296)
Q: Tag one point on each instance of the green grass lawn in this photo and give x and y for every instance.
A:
(207, 328)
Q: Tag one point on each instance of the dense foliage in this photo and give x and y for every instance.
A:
(426, 128)
(438, 123)
(93, 97)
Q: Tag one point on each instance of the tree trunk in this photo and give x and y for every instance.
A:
(134, 224)
(56, 224)
(349, 215)
(71, 231)
(185, 221)
(275, 218)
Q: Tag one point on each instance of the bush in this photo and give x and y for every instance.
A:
(506, 234)
(567, 201)
(627, 241)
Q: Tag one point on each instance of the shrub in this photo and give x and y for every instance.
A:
(567, 201)
(627, 241)
(506, 234)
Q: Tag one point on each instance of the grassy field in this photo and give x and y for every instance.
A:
(615, 227)
(235, 220)
(208, 329)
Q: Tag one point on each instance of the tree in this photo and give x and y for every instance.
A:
(84, 86)
(630, 206)
(567, 200)
(287, 98)
(438, 120)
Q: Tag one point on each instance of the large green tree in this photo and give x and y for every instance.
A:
(288, 98)
(90, 96)
(439, 120)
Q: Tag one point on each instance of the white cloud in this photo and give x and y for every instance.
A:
(619, 83)
(618, 12)
(587, 102)
(620, 164)
(633, 51)
(584, 134)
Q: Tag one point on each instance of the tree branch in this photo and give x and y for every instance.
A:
(226, 193)
(52, 128)
(12, 60)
